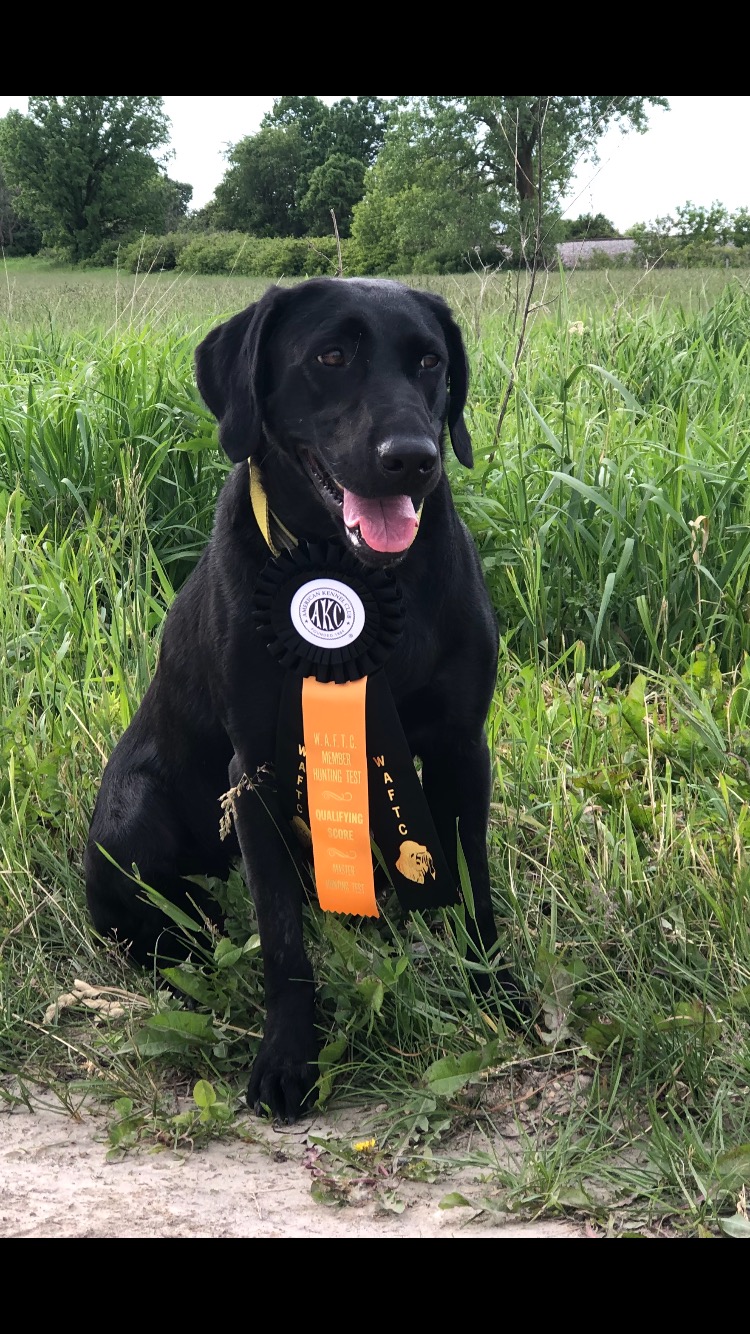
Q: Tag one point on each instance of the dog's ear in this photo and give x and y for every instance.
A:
(229, 372)
(458, 379)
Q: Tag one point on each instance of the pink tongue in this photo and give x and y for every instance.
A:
(389, 524)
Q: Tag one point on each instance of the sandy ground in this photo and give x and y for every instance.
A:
(55, 1181)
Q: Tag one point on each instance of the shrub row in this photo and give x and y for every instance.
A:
(234, 252)
(667, 255)
(149, 253)
(295, 257)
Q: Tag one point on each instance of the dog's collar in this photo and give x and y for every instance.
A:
(277, 537)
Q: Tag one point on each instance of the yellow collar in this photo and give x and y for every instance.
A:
(276, 536)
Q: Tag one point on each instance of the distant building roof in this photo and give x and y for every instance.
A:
(573, 252)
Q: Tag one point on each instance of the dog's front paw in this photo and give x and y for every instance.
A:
(282, 1079)
(514, 1006)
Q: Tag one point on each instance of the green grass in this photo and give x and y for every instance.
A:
(36, 293)
(613, 520)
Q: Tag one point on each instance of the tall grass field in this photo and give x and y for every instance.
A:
(612, 514)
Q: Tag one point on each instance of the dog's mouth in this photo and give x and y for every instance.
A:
(386, 526)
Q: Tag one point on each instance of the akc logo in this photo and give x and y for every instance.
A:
(327, 613)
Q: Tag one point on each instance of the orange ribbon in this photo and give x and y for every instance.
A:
(333, 719)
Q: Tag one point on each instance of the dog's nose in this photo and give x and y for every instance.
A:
(408, 459)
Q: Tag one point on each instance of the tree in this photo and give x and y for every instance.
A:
(266, 180)
(352, 127)
(519, 153)
(695, 235)
(694, 222)
(427, 222)
(423, 210)
(18, 236)
(172, 199)
(741, 227)
(305, 159)
(357, 127)
(84, 166)
(338, 184)
(501, 136)
(589, 227)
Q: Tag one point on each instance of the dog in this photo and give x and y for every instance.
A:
(338, 394)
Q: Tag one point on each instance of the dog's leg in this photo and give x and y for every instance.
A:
(285, 1068)
(136, 822)
(457, 784)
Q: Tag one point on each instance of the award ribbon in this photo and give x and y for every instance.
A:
(337, 795)
(343, 765)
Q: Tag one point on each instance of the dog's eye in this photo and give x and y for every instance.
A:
(334, 357)
(430, 361)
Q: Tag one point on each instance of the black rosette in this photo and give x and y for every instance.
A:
(284, 575)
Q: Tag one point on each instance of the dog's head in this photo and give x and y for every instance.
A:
(342, 389)
(415, 862)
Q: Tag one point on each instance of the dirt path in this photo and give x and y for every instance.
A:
(55, 1181)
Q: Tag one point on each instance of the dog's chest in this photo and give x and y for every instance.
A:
(415, 660)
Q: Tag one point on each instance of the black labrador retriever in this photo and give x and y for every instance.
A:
(339, 392)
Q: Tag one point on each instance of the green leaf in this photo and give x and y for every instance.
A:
(327, 1060)
(446, 1076)
(192, 984)
(198, 443)
(740, 1000)
(174, 1031)
(634, 708)
(389, 971)
(388, 1199)
(372, 991)
(454, 1200)
(380, 859)
(572, 1197)
(689, 1015)
(226, 954)
(609, 585)
(544, 426)
(465, 879)
(325, 1192)
(627, 397)
(703, 670)
(185, 1022)
(204, 1094)
(737, 1226)
(600, 1035)
(169, 909)
(124, 1131)
(589, 493)
(344, 941)
(332, 1052)
(733, 1167)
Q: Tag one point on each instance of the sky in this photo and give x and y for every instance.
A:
(697, 151)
